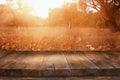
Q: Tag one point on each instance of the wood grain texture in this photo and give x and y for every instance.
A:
(113, 57)
(55, 64)
(63, 78)
(105, 65)
(8, 60)
(80, 65)
(59, 64)
(99, 60)
(4, 53)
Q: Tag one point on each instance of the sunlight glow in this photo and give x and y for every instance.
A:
(2, 1)
(41, 7)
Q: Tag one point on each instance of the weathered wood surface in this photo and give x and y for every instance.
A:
(59, 63)
(63, 78)
(80, 65)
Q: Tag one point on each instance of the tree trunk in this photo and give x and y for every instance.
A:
(114, 26)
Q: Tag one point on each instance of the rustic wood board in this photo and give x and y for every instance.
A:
(99, 60)
(22, 63)
(113, 57)
(105, 65)
(59, 63)
(55, 64)
(80, 65)
(8, 60)
(4, 53)
(115, 61)
(63, 78)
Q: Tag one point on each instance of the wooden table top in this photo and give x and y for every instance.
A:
(59, 63)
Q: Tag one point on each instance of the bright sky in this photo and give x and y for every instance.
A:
(2, 1)
(40, 7)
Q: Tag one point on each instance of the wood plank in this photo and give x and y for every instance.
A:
(87, 62)
(78, 61)
(26, 60)
(7, 60)
(99, 60)
(106, 68)
(33, 62)
(4, 53)
(48, 68)
(80, 65)
(113, 57)
(22, 64)
(17, 63)
(55, 64)
(63, 78)
(62, 67)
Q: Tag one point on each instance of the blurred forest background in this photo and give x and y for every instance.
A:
(101, 18)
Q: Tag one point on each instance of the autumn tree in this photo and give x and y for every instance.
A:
(67, 15)
(18, 11)
(70, 14)
(55, 17)
(108, 9)
(5, 15)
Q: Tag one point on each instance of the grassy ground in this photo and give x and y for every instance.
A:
(58, 38)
